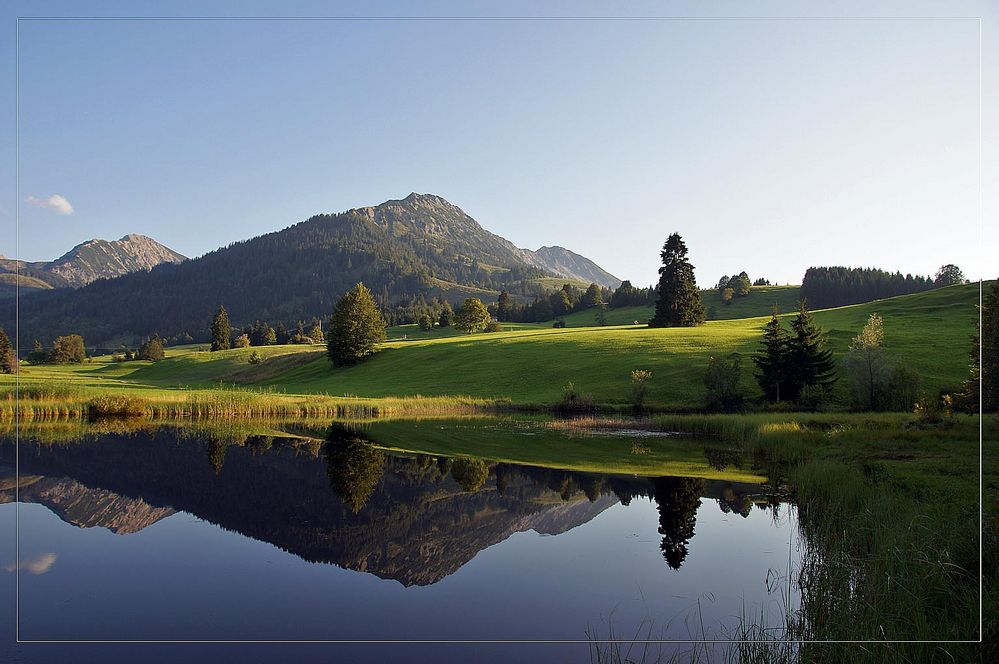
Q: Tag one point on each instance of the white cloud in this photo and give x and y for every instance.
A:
(35, 565)
(53, 202)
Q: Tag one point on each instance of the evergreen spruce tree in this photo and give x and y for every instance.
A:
(8, 358)
(221, 330)
(810, 362)
(355, 329)
(679, 302)
(446, 316)
(503, 307)
(772, 360)
(982, 387)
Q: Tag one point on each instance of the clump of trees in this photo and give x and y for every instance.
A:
(151, 349)
(221, 331)
(791, 364)
(878, 381)
(949, 275)
(679, 301)
(67, 349)
(472, 316)
(627, 295)
(838, 286)
(732, 287)
(356, 328)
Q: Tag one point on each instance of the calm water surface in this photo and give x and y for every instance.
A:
(175, 535)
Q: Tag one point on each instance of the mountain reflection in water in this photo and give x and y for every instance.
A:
(342, 500)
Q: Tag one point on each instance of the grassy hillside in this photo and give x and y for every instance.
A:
(10, 281)
(532, 364)
(759, 302)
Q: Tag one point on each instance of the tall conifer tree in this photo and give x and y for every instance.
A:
(772, 360)
(221, 330)
(679, 302)
(811, 363)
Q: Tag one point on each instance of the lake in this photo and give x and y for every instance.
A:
(357, 532)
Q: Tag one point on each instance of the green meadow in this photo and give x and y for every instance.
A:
(532, 364)
(760, 302)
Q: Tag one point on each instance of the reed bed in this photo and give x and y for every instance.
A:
(45, 403)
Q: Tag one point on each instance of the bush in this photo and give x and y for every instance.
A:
(574, 401)
(812, 398)
(254, 358)
(493, 326)
(639, 388)
(242, 341)
(558, 324)
(115, 405)
(426, 323)
(722, 380)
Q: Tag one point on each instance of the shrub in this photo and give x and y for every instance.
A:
(426, 323)
(242, 341)
(639, 388)
(722, 380)
(116, 405)
(574, 401)
(254, 358)
(559, 324)
(493, 326)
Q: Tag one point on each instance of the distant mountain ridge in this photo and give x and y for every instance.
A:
(95, 259)
(563, 262)
(407, 251)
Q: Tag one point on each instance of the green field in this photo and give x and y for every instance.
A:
(531, 364)
(759, 302)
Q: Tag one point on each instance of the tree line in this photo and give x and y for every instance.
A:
(825, 287)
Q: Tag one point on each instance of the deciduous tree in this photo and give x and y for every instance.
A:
(356, 328)
(472, 316)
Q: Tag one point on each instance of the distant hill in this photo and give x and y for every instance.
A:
(563, 262)
(93, 260)
(10, 281)
(406, 251)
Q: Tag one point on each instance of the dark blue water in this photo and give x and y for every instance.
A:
(172, 537)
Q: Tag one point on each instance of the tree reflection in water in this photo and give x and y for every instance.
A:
(677, 499)
(353, 466)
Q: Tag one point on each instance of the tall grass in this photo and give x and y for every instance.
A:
(52, 402)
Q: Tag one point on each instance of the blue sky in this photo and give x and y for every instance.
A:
(770, 145)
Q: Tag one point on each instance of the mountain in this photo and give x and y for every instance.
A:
(93, 260)
(406, 251)
(561, 261)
